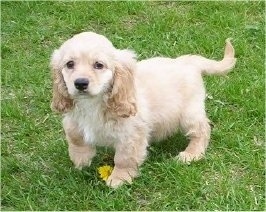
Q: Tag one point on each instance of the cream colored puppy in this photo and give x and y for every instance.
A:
(107, 98)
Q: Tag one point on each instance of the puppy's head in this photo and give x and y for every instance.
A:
(88, 65)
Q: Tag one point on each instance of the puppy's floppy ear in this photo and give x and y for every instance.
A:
(122, 100)
(61, 101)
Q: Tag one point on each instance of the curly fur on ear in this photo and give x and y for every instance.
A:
(122, 100)
(61, 101)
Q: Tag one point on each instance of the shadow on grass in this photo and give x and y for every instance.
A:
(167, 148)
(158, 151)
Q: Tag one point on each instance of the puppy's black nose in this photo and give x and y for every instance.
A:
(81, 83)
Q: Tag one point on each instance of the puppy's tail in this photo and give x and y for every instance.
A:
(208, 66)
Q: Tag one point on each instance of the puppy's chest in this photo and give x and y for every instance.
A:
(96, 129)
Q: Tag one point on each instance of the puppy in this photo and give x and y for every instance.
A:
(107, 98)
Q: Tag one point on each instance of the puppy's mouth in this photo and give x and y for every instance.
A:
(84, 94)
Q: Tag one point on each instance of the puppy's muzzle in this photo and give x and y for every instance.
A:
(81, 84)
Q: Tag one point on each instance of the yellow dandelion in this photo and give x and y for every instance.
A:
(105, 172)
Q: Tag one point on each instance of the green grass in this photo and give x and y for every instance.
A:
(36, 172)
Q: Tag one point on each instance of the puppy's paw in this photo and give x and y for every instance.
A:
(80, 159)
(187, 157)
(120, 176)
(81, 156)
(115, 182)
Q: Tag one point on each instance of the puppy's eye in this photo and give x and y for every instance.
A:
(98, 65)
(70, 64)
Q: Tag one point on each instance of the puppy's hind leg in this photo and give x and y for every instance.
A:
(80, 153)
(196, 126)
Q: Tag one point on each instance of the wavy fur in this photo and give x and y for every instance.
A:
(61, 101)
(127, 103)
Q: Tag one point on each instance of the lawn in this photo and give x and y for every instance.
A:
(36, 173)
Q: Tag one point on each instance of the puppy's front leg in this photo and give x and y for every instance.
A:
(80, 153)
(128, 157)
